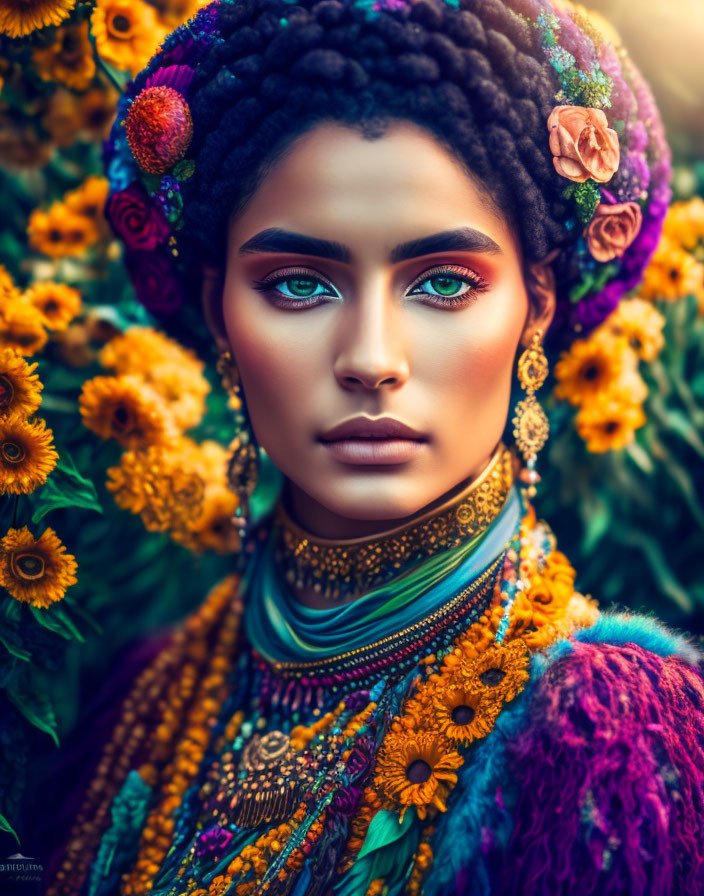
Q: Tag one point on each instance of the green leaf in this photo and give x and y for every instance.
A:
(61, 614)
(45, 617)
(7, 827)
(65, 487)
(37, 709)
(19, 652)
(184, 169)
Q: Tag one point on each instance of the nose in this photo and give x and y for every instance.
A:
(372, 353)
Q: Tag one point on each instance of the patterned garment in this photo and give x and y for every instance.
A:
(520, 742)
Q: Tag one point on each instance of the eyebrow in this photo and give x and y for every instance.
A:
(274, 239)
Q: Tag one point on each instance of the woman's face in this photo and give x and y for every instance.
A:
(372, 279)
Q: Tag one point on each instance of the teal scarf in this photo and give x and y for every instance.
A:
(284, 630)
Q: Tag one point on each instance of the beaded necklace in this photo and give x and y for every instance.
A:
(271, 778)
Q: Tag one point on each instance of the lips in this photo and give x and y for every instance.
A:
(381, 442)
(367, 428)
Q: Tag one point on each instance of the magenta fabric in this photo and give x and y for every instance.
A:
(611, 778)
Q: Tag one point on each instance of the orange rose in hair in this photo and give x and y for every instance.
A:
(612, 229)
(582, 143)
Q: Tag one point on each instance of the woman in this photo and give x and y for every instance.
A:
(386, 210)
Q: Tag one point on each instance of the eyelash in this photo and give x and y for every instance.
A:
(476, 283)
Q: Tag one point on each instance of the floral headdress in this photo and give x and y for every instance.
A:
(605, 135)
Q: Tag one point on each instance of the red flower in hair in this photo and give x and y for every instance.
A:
(159, 128)
(136, 220)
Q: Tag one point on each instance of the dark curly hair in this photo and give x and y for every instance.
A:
(481, 75)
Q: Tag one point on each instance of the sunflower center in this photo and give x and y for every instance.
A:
(51, 305)
(120, 26)
(28, 566)
(13, 453)
(591, 372)
(418, 772)
(462, 714)
(610, 427)
(7, 391)
(492, 677)
(122, 419)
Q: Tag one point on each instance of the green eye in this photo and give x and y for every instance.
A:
(445, 286)
(300, 287)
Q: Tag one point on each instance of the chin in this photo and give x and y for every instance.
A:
(365, 498)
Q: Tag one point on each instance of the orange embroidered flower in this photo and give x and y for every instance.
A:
(500, 672)
(58, 303)
(36, 571)
(416, 770)
(19, 385)
(582, 143)
(612, 229)
(552, 589)
(27, 455)
(462, 716)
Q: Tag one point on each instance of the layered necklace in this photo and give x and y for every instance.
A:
(272, 766)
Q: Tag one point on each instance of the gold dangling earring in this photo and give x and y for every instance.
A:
(243, 465)
(530, 425)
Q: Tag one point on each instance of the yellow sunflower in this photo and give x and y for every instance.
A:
(124, 408)
(590, 366)
(8, 291)
(37, 571)
(62, 119)
(684, 222)
(22, 327)
(20, 17)
(69, 59)
(609, 423)
(172, 13)
(27, 455)
(57, 302)
(499, 672)
(19, 385)
(463, 716)
(89, 199)
(98, 110)
(416, 769)
(127, 33)
(672, 273)
(641, 323)
(59, 232)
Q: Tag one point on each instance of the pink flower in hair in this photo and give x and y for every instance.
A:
(612, 229)
(582, 143)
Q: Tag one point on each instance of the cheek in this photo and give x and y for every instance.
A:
(472, 367)
(277, 366)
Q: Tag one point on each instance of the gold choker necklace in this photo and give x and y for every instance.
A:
(335, 568)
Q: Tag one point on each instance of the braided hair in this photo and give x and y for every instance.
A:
(229, 91)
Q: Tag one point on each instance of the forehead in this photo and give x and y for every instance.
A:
(335, 183)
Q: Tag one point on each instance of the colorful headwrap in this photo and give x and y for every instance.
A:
(611, 162)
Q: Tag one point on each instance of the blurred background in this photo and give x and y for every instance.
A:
(123, 530)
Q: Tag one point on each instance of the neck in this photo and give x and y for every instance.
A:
(320, 569)
(322, 522)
